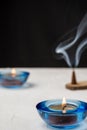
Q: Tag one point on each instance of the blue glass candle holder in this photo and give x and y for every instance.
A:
(51, 112)
(9, 80)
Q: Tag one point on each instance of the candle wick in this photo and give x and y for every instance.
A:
(63, 109)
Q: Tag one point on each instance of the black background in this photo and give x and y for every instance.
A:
(30, 29)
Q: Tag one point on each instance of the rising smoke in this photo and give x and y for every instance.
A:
(72, 48)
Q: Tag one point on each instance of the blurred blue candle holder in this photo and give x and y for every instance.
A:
(10, 80)
(56, 118)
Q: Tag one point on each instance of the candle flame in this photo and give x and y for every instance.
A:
(63, 105)
(13, 72)
(64, 101)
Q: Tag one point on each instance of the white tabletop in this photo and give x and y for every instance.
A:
(18, 106)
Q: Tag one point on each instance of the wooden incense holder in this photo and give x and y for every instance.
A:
(74, 85)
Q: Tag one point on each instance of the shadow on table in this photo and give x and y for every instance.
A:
(25, 86)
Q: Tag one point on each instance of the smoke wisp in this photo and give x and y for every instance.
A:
(72, 48)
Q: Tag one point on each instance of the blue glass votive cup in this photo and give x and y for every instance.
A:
(9, 80)
(55, 117)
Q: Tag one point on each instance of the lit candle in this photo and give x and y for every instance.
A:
(62, 114)
(63, 106)
(13, 78)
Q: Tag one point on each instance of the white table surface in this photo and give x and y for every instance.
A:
(18, 106)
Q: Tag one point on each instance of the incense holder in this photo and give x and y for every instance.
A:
(74, 85)
(52, 114)
(77, 86)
